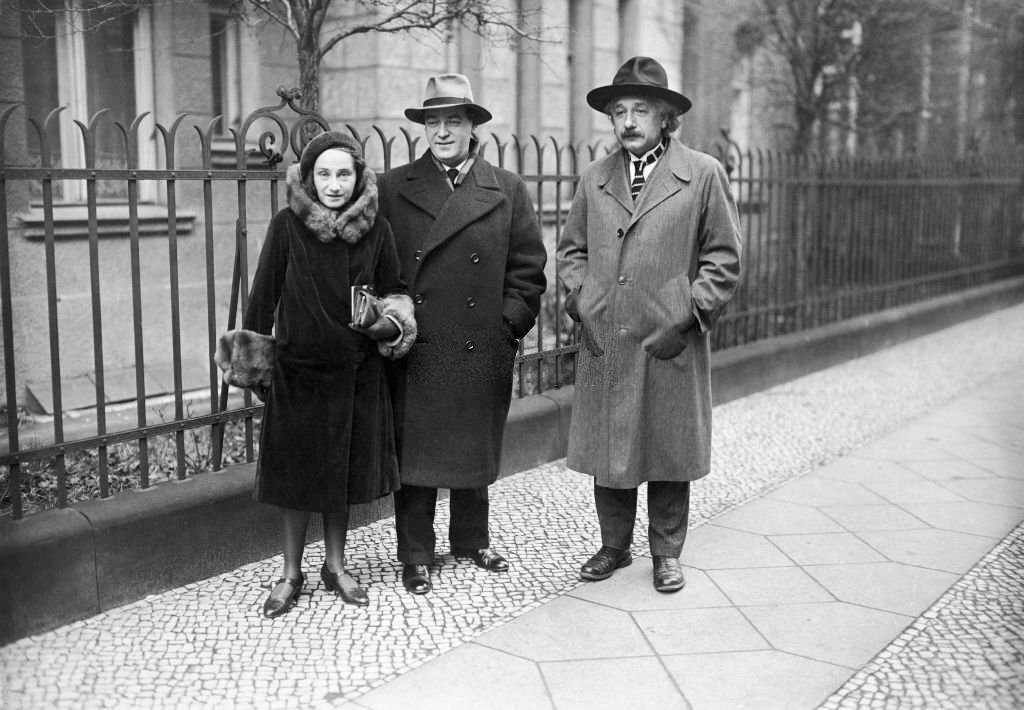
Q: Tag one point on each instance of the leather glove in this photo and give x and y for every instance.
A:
(571, 304)
(664, 344)
(384, 328)
(667, 342)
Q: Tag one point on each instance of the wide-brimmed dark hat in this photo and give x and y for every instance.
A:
(639, 76)
(448, 91)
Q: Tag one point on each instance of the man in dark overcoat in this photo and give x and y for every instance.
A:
(650, 256)
(471, 251)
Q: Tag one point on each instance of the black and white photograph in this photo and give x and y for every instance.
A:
(512, 354)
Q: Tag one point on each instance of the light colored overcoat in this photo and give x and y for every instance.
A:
(633, 271)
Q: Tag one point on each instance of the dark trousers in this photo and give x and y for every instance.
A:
(414, 522)
(668, 509)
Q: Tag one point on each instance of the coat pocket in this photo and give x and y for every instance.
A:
(670, 308)
(591, 301)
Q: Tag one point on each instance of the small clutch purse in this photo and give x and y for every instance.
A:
(365, 307)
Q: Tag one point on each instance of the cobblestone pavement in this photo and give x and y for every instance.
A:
(966, 651)
(205, 644)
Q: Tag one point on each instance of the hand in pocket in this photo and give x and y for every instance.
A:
(664, 343)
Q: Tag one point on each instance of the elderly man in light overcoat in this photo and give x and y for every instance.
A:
(650, 256)
(471, 252)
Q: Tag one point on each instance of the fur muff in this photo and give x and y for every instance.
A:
(399, 307)
(246, 358)
(349, 224)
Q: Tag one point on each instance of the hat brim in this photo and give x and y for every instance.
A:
(598, 98)
(482, 115)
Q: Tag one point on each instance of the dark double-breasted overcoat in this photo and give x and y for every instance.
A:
(637, 271)
(473, 259)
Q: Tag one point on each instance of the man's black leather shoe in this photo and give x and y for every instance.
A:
(486, 558)
(416, 579)
(604, 563)
(668, 574)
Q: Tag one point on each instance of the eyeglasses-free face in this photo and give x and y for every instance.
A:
(448, 132)
(334, 177)
(637, 122)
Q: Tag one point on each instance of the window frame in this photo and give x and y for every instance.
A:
(72, 92)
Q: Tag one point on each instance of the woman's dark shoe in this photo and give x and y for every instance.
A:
(486, 558)
(416, 579)
(604, 563)
(345, 585)
(283, 595)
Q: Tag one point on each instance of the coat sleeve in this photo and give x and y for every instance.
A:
(524, 270)
(388, 276)
(268, 281)
(572, 251)
(719, 252)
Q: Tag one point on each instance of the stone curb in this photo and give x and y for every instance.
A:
(64, 565)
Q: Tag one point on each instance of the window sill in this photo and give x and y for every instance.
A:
(222, 155)
(72, 221)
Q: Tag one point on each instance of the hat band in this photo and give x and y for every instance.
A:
(445, 100)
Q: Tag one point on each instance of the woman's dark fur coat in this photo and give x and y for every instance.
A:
(328, 435)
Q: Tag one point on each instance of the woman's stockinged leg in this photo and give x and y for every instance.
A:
(294, 524)
(286, 590)
(335, 535)
(333, 573)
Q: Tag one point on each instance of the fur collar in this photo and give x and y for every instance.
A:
(349, 224)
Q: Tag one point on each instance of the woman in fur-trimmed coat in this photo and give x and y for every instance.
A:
(328, 433)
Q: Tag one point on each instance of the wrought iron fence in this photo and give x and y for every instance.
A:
(128, 269)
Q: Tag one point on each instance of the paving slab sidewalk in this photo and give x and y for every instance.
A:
(833, 560)
(788, 595)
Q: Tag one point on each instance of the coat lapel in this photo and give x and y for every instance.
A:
(475, 197)
(425, 187)
(666, 179)
(613, 180)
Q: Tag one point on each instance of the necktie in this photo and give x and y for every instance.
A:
(452, 174)
(638, 178)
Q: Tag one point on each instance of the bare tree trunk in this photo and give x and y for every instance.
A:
(803, 138)
(309, 73)
(964, 78)
(925, 95)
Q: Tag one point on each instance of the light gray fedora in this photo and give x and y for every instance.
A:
(449, 91)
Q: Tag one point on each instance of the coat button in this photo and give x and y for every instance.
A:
(619, 233)
(417, 299)
(470, 345)
(622, 281)
(471, 302)
(475, 258)
(417, 254)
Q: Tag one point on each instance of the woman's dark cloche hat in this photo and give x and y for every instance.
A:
(449, 91)
(639, 76)
(325, 141)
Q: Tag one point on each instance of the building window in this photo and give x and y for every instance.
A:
(235, 80)
(225, 79)
(39, 59)
(81, 55)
